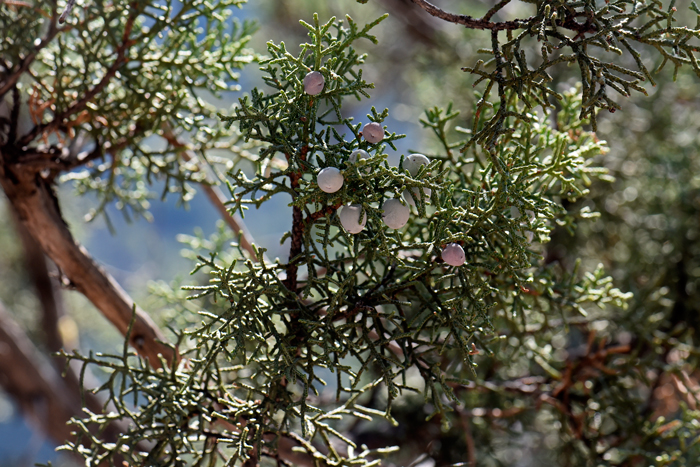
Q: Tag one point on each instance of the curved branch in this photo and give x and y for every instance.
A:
(470, 22)
(36, 206)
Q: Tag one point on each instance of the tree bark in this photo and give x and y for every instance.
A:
(33, 383)
(52, 312)
(47, 400)
(46, 291)
(35, 204)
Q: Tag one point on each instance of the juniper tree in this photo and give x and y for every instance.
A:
(298, 360)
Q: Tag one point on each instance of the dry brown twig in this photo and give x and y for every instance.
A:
(470, 22)
(216, 196)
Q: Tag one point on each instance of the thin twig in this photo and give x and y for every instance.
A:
(89, 95)
(26, 61)
(468, 437)
(496, 8)
(66, 12)
(217, 198)
(470, 22)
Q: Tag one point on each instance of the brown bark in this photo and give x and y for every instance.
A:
(297, 242)
(469, 22)
(36, 207)
(51, 305)
(47, 400)
(34, 384)
(48, 292)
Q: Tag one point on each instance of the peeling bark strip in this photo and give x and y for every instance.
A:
(37, 209)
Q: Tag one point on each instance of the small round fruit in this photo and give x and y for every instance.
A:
(373, 132)
(313, 83)
(395, 214)
(350, 218)
(453, 254)
(411, 196)
(330, 180)
(357, 155)
(414, 162)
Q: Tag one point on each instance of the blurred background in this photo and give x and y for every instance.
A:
(646, 237)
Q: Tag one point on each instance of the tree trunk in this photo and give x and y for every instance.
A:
(36, 207)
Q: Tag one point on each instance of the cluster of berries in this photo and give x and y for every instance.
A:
(395, 213)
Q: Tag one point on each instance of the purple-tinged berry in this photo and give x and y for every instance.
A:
(395, 214)
(414, 162)
(330, 180)
(313, 83)
(453, 254)
(358, 155)
(350, 218)
(411, 196)
(373, 132)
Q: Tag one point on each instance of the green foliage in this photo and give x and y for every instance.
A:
(358, 335)
(612, 29)
(121, 82)
(374, 308)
